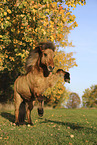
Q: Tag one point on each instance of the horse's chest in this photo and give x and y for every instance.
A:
(40, 85)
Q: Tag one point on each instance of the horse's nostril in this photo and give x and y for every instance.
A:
(50, 68)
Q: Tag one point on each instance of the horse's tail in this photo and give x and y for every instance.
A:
(22, 112)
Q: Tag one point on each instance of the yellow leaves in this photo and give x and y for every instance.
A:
(6, 56)
(4, 1)
(47, 10)
(34, 18)
(18, 31)
(68, 13)
(54, 5)
(23, 38)
(15, 41)
(11, 58)
(73, 3)
(1, 36)
(64, 19)
(75, 24)
(59, 36)
(22, 15)
(52, 38)
(9, 11)
(8, 18)
(22, 27)
(1, 19)
(64, 61)
(5, 13)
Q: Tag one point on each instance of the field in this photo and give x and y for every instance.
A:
(57, 127)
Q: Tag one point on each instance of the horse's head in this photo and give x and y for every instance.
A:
(47, 55)
(47, 59)
(41, 56)
(67, 77)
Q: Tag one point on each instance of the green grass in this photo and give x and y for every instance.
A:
(57, 127)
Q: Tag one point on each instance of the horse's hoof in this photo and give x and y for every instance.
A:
(17, 124)
(30, 124)
(40, 112)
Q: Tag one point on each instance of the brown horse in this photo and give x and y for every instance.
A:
(39, 77)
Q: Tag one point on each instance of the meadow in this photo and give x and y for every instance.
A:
(57, 127)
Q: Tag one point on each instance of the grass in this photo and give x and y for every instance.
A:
(57, 127)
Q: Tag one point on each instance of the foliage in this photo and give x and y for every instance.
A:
(58, 127)
(73, 101)
(56, 95)
(90, 97)
(24, 23)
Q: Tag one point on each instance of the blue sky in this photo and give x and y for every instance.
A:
(84, 37)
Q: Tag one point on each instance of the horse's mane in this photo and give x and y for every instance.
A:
(34, 53)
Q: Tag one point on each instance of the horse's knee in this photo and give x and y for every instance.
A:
(40, 112)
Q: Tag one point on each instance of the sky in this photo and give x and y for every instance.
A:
(84, 37)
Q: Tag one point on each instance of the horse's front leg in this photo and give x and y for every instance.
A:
(53, 79)
(29, 107)
(41, 108)
(65, 74)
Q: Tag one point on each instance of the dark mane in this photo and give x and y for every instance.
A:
(34, 53)
(46, 45)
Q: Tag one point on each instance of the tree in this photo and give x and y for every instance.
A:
(73, 101)
(57, 95)
(90, 97)
(24, 23)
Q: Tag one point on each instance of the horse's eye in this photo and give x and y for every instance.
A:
(45, 54)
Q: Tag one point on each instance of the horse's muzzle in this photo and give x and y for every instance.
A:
(67, 80)
(67, 77)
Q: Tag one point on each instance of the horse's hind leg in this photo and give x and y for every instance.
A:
(29, 107)
(18, 100)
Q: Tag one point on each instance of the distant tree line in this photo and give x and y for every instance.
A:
(73, 101)
(89, 97)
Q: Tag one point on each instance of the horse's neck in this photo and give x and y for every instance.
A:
(42, 71)
(36, 71)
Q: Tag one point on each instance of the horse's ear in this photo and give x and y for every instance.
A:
(40, 49)
(46, 45)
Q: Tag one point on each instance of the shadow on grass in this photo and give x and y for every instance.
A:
(8, 116)
(67, 124)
